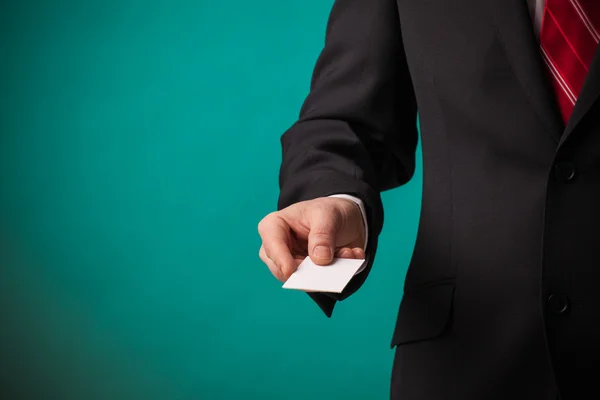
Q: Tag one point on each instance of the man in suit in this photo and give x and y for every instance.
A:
(501, 296)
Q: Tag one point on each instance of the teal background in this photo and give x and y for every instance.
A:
(139, 148)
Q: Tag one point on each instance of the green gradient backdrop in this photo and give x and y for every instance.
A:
(139, 148)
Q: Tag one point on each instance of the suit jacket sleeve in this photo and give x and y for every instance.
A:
(356, 132)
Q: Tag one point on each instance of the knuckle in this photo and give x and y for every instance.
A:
(266, 252)
(323, 218)
(261, 253)
(323, 228)
(271, 256)
(265, 223)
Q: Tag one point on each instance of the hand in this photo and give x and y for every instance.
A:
(323, 228)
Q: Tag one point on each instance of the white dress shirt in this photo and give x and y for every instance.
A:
(536, 11)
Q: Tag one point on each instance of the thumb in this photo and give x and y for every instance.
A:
(324, 225)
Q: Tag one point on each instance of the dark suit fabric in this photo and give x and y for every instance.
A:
(501, 297)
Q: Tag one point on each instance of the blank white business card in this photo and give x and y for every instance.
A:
(333, 278)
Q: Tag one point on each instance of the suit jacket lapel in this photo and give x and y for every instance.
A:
(514, 28)
(587, 97)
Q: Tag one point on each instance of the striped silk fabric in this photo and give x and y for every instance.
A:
(568, 39)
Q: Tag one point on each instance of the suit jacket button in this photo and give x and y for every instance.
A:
(558, 303)
(564, 171)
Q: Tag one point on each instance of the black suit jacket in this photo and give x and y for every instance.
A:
(501, 297)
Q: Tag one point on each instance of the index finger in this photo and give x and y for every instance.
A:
(276, 238)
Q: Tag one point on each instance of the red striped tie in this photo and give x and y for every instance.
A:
(569, 37)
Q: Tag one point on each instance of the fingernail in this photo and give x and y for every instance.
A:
(323, 252)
